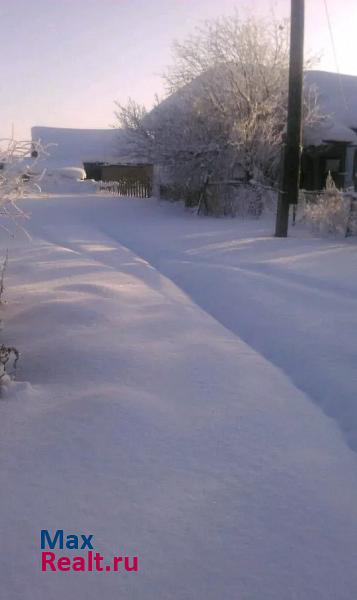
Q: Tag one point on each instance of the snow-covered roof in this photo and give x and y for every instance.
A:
(337, 98)
(72, 147)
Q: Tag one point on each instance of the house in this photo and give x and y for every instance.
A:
(328, 146)
(331, 146)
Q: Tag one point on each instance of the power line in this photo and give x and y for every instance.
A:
(335, 54)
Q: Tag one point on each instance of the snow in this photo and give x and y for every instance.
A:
(52, 184)
(172, 399)
(66, 180)
(337, 100)
(72, 147)
(75, 173)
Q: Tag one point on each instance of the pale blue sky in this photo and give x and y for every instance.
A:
(64, 62)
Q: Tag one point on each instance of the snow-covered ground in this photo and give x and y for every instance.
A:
(172, 400)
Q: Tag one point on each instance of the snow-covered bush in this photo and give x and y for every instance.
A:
(330, 212)
(20, 174)
(238, 199)
(6, 353)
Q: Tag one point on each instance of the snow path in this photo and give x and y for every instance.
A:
(153, 427)
(294, 301)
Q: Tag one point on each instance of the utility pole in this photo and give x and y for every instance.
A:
(292, 152)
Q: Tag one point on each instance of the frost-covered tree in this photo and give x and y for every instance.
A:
(225, 112)
(20, 174)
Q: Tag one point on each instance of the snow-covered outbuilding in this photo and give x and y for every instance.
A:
(102, 153)
(73, 147)
(331, 145)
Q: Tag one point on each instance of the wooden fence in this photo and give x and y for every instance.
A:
(126, 187)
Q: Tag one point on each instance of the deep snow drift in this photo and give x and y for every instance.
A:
(150, 423)
(293, 301)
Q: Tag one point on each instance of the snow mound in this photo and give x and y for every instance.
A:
(67, 180)
(75, 173)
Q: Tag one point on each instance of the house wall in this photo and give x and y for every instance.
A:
(351, 154)
(336, 157)
(93, 170)
(129, 172)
